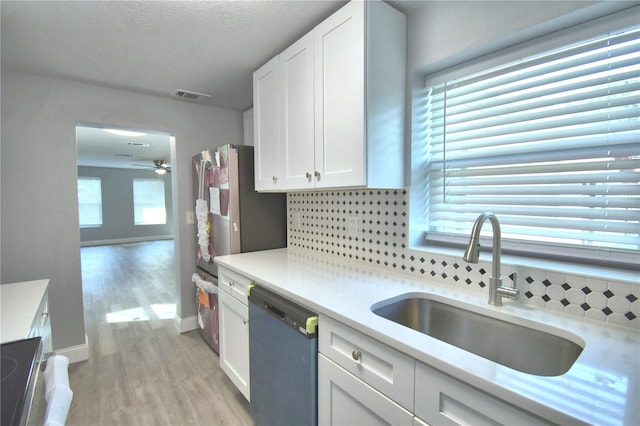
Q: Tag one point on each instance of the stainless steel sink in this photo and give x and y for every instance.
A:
(512, 345)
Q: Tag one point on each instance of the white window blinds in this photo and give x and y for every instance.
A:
(550, 144)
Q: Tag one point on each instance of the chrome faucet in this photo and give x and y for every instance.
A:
(496, 290)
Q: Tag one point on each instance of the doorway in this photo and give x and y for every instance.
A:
(125, 205)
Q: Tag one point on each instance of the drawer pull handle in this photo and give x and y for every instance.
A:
(245, 321)
(356, 355)
(231, 283)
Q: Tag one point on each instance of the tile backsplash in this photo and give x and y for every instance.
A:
(371, 226)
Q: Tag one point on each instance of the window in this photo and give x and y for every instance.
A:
(148, 202)
(550, 144)
(90, 201)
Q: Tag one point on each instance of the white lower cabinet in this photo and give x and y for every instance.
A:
(362, 381)
(344, 399)
(234, 341)
(444, 400)
(389, 371)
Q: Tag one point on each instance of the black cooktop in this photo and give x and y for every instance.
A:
(19, 363)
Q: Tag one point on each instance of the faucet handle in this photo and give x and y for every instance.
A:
(510, 292)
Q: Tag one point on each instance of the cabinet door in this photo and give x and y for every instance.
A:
(345, 400)
(297, 135)
(340, 98)
(265, 126)
(234, 341)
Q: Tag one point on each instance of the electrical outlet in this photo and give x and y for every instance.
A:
(191, 218)
(352, 226)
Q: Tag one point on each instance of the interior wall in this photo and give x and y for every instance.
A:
(443, 33)
(117, 207)
(40, 230)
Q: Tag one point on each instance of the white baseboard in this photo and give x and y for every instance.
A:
(76, 353)
(124, 240)
(185, 324)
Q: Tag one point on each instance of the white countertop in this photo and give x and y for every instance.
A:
(19, 303)
(602, 387)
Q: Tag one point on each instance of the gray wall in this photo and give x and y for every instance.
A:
(40, 231)
(442, 33)
(117, 207)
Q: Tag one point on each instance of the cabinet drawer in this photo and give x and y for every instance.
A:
(384, 368)
(234, 284)
(443, 400)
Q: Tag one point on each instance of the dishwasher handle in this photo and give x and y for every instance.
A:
(287, 312)
(279, 313)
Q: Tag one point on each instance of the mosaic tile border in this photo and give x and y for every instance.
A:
(371, 226)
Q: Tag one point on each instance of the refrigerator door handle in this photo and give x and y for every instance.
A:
(203, 168)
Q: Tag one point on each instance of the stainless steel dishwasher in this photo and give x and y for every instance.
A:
(283, 361)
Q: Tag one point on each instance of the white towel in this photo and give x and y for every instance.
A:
(58, 406)
(207, 286)
(56, 374)
(202, 216)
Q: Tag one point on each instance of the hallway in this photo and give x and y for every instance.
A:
(141, 371)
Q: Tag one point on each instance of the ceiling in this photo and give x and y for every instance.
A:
(99, 148)
(156, 47)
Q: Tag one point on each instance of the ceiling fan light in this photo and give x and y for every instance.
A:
(161, 171)
(127, 133)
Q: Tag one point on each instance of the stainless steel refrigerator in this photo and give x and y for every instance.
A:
(231, 217)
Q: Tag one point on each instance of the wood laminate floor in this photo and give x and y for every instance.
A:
(141, 371)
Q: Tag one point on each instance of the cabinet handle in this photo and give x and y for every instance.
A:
(245, 321)
(231, 283)
(308, 175)
(275, 178)
(356, 355)
(317, 174)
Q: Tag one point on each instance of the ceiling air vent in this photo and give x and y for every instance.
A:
(186, 94)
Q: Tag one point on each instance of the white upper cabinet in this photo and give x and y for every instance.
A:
(296, 76)
(266, 131)
(341, 91)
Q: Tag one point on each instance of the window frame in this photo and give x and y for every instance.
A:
(419, 173)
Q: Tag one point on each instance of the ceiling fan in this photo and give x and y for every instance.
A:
(159, 166)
